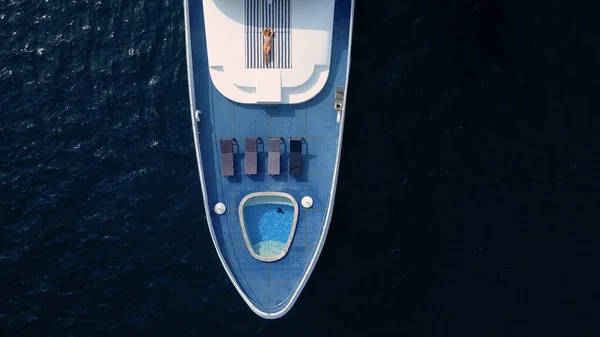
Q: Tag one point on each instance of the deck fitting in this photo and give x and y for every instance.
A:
(339, 99)
(220, 208)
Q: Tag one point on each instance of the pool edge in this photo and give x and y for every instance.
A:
(292, 230)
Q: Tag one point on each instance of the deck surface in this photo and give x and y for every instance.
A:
(269, 286)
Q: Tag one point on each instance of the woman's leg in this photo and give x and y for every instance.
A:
(268, 53)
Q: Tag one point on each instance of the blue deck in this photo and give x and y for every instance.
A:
(270, 287)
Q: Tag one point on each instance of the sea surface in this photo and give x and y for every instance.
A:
(468, 201)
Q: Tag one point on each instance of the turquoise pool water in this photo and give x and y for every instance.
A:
(268, 221)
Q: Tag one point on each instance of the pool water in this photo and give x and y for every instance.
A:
(268, 226)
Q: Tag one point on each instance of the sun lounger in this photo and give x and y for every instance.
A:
(226, 156)
(295, 156)
(251, 159)
(274, 157)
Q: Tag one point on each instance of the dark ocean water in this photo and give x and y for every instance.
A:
(481, 219)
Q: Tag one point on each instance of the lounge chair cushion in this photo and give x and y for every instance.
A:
(226, 145)
(251, 158)
(295, 156)
(274, 157)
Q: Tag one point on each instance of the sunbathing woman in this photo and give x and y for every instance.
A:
(267, 38)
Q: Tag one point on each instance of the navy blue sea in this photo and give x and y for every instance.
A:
(468, 199)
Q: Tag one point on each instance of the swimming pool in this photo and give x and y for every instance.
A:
(268, 221)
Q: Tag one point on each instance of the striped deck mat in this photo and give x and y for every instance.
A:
(260, 14)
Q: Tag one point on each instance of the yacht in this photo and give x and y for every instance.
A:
(268, 82)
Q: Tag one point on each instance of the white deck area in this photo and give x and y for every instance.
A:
(311, 37)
